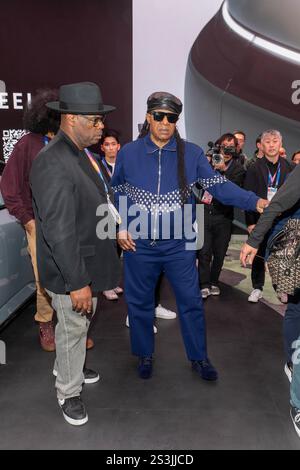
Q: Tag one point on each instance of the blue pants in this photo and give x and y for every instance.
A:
(291, 325)
(293, 312)
(142, 270)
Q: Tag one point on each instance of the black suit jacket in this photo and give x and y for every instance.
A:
(256, 180)
(66, 194)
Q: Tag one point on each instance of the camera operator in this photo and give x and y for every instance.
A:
(218, 217)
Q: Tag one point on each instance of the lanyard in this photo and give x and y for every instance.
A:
(107, 168)
(97, 168)
(113, 211)
(271, 178)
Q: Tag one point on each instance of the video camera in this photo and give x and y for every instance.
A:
(217, 152)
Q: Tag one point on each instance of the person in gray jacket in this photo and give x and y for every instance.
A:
(286, 203)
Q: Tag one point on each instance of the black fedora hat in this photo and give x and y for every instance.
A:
(80, 98)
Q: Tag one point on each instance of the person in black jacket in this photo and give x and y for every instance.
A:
(75, 261)
(265, 177)
(218, 222)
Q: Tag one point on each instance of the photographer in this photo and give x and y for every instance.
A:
(218, 217)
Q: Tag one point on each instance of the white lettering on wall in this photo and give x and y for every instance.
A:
(18, 100)
(296, 94)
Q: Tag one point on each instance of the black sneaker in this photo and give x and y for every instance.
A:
(295, 415)
(145, 367)
(90, 376)
(205, 369)
(74, 411)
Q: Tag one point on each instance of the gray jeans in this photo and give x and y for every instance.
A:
(70, 340)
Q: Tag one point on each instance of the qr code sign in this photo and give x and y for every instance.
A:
(10, 138)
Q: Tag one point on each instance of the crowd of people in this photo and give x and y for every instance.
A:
(54, 184)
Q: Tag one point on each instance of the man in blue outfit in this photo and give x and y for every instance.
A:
(156, 174)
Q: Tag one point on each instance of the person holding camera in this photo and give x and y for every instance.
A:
(218, 217)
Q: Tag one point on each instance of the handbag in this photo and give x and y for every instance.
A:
(284, 260)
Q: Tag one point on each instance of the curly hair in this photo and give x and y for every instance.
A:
(37, 117)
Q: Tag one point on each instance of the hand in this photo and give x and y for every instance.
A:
(220, 166)
(125, 241)
(30, 227)
(250, 228)
(261, 205)
(82, 300)
(247, 254)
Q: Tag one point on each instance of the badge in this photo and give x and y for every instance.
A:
(271, 193)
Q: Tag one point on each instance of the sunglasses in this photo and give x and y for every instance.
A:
(159, 116)
(94, 120)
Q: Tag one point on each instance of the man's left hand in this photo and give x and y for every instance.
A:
(261, 205)
(247, 254)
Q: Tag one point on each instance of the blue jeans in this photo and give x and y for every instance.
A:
(291, 325)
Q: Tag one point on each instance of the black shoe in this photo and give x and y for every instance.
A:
(74, 411)
(205, 369)
(295, 415)
(145, 367)
(90, 376)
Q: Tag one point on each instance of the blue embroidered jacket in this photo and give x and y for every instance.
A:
(147, 176)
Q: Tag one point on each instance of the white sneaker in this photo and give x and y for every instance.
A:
(255, 296)
(205, 293)
(215, 290)
(288, 369)
(127, 324)
(118, 290)
(161, 312)
(110, 295)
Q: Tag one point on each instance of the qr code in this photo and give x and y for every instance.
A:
(10, 138)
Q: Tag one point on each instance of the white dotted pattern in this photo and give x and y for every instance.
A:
(164, 203)
(207, 183)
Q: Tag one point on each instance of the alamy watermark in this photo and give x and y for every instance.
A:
(159, 223)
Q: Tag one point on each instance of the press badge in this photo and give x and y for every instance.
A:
(206, 198)
(271, 193)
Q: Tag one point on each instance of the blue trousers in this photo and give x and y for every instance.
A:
(142, 270)
(293, 316)
(291, 324)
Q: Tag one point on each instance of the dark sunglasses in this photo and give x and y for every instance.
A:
(159, 116)
(94, 120)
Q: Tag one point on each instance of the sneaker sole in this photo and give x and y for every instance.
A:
(219, 293)
(92, 381)
(86, 381)
(75, 422)
(166, 317)
(288, 373)
(296, 428)
(255, 301)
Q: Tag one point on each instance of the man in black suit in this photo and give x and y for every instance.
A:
(75, 262)
(265, 177)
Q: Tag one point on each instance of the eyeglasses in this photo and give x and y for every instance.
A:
(94, 120)
(159, 116)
